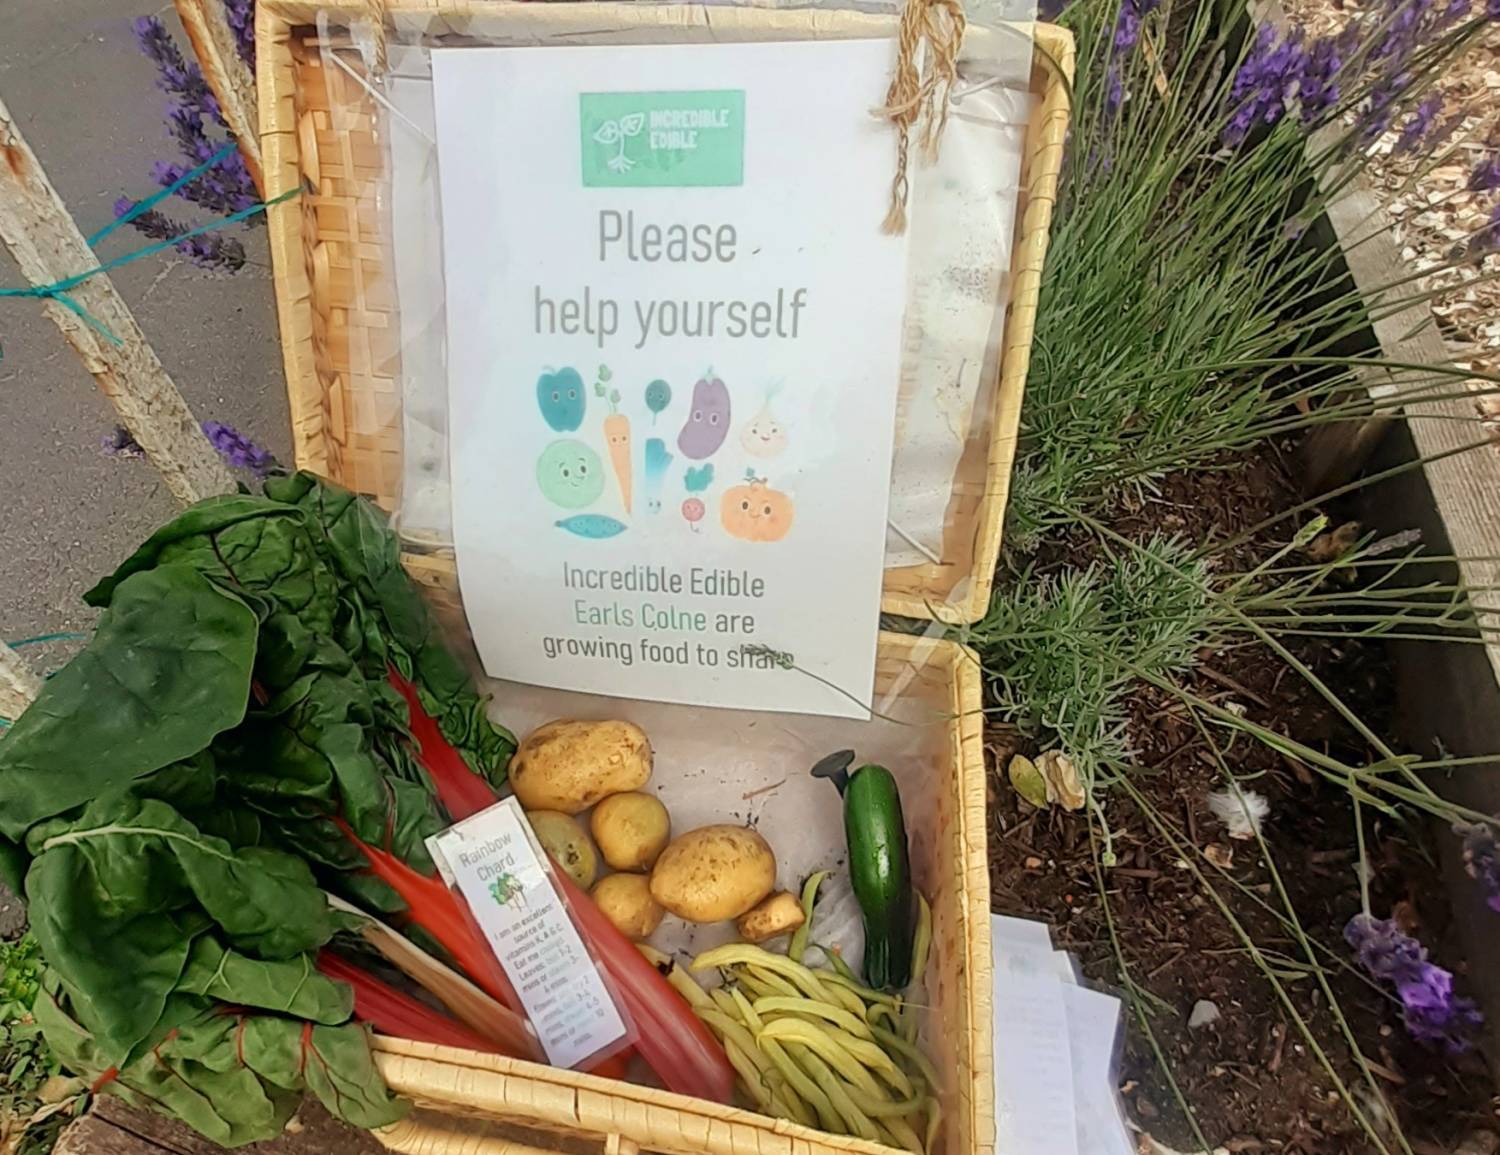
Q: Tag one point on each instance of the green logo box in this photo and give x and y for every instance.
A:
(662, 139)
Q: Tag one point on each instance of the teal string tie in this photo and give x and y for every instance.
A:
(40, 639)
(58, 290)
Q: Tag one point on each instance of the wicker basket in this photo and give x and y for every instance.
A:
(946, 824)
(336, 302)
(338, 332)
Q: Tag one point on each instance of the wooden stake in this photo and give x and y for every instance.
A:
(207, 26)
(19, 686)
(35, 225)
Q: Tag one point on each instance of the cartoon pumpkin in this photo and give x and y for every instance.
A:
(755, 512)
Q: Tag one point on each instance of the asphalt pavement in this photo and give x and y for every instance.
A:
(87, 102)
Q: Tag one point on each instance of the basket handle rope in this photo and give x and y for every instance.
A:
(376, 9)
(920, 87)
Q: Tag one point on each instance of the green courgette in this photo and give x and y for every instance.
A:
(879, 867)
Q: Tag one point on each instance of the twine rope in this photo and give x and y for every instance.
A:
(377, 28)
(927, 45)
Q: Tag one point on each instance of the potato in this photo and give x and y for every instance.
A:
(714, 873)
(625, 899)
(568, 843)
(631, 830)
(776, 915)
(568, 766)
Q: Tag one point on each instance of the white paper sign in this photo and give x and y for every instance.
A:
(674, 347)
(496, 865)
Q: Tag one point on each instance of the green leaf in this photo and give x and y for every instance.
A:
(193, 526)
(168, 668)
(123, 890)
(335, 1062)
(290, 986)
(195, 1071)
(604, 373)
(358, 542)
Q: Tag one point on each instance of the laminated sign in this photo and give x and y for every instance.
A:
(674, 348)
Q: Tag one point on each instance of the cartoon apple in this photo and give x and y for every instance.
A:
(561, 397)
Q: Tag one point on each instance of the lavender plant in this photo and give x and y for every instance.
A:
(237, 450)
(196, 127)
(1433, 1013)
(1179, 282)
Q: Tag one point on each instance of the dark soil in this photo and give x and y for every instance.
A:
(1254, 1082)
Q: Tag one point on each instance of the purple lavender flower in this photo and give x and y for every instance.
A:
(1482, 859)
(207, 250)
(1419, 125)
(175, 74)
(1492, 10)
(1432, 1012)
(227, 188)
(1486, 174)
(1127, 27)
(1318, 83)
(1487, 238)
(1114, 92)
(1452, 13)
(241, 16)
(1264, 83)
(120, 443)
(238, 450)
(1381, 106)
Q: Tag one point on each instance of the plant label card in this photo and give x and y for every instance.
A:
(674, 346)
(496, 864)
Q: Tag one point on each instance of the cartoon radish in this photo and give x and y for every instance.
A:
(696, 480)
(616, 434)
(708, 419)
(594, 525)
(658, 460)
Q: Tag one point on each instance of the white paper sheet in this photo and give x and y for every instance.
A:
(1093, 1022)
(764, 459)
(1034, 1095)
(1054, 1050)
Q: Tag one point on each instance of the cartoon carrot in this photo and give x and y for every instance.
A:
(616, 434)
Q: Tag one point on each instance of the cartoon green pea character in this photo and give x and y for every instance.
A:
(570, 474)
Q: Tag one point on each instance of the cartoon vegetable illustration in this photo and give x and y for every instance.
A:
(507, 888)
(616, 434)
(658, 397)
(696, 479)
(754, 511)
(764, 436)
(618, 132)
(657, 462)
(570, 474)
(592, 525)
(562, 398)
(708, 419)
